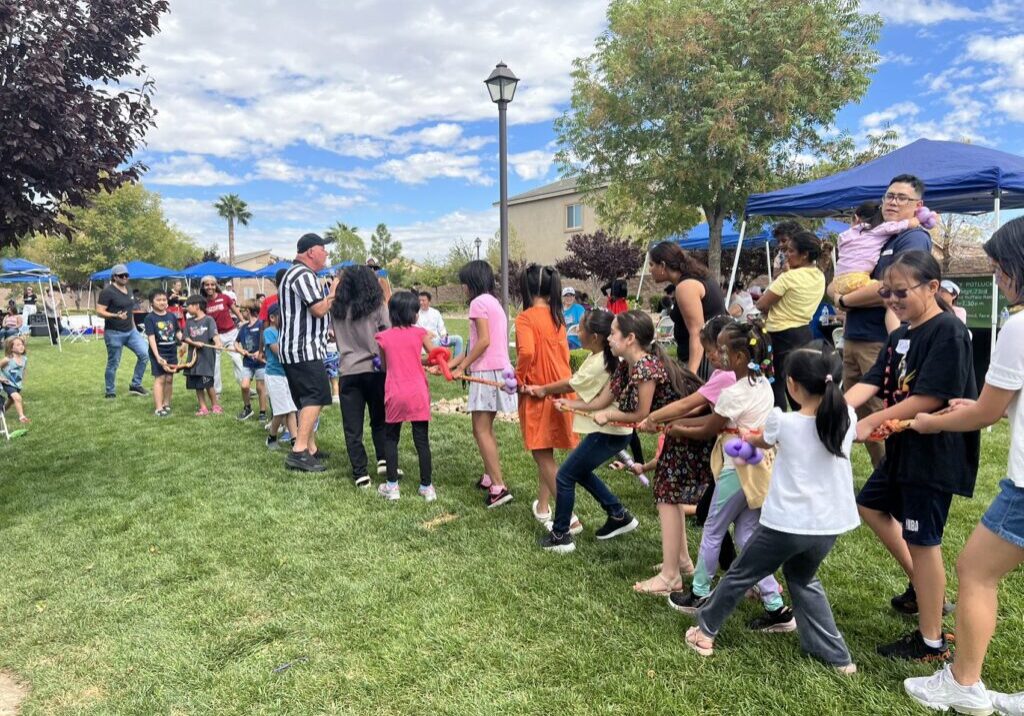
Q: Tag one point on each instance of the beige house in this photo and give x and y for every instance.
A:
(247, 288)
(545, 217)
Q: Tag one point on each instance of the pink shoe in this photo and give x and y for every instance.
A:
(484, 483)
(202, 413)
(217, 410)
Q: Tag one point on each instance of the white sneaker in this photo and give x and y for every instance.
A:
(575, 526)
(941, 692)
(541, 517)
(382, 468)
(388, 492)
(1007, 704)
(427, 493)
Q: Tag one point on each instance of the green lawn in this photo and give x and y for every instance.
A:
(174, 567)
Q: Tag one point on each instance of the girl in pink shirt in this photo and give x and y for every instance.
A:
(406, 395)
(487, 357)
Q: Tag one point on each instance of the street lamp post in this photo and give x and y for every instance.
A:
(477, 242)
(502, 86)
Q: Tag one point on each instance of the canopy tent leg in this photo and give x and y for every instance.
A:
(42, 294)
(736, 258)
(56, 317)
(995, 292)
(643, 272)
(768, 251)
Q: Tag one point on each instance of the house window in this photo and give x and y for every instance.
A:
(250, 293)
(573, 216)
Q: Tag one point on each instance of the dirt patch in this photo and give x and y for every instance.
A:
(457, 406)
(13, 692)
(442, 519)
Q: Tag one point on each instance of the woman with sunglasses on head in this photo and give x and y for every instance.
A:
(925, 366)
(996, 547)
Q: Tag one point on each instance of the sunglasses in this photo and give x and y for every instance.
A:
(899, 293)
(120, 275)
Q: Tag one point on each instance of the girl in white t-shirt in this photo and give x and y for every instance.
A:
(996, 547)
(810, 502)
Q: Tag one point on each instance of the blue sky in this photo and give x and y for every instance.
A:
(367, 111)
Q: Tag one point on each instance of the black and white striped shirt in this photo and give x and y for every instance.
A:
(303, 336)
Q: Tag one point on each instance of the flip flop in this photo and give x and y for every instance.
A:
(650, 586)
(696, 640)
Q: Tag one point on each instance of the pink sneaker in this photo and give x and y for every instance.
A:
(484, 483)
(202, 413)
(217, 410)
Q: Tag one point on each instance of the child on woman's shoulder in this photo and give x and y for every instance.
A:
(809, 504)
(12, 374)
(406, 394)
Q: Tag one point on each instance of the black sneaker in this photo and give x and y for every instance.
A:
(246, 413)
(780, 621)
(110, 396)
(262, 417)
(272, 443)
(912, 648)
(616, 526)
(497, 500)
(321, 455)
(686, 602)
(302, 461)
(137, 390)
(906, 603)
(554, 542)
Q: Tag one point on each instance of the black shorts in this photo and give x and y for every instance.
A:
(157, 369)
(308, 383)
(921, 510)
(9, 389)
(198, 382)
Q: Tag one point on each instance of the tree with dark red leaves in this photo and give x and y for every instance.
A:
(600, 257)
(74, 105)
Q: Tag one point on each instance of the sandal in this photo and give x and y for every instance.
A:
(652, 586)
(686, 569)
(699, 641)
(541, 517)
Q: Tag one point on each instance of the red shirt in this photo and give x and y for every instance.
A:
(265, 307)
(219, 309)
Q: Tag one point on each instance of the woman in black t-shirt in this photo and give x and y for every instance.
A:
(923, 366)
(698, 298)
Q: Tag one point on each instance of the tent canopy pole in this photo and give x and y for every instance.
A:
(768, 251)
(736, 258)
(643, 272)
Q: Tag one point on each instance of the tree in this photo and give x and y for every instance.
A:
(384, 248)
(233, 208)
(693, 103)
(516, 250)
(211, 253)
(953, 234)
(347, 246)
(127, 224)
(600, 257)
(67, 130)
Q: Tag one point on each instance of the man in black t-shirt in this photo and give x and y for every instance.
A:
(115, 306)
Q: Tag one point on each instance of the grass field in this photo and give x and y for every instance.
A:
(172, 566)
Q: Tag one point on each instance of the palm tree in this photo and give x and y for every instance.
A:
(233, 208)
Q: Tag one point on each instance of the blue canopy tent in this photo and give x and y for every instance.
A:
(140, 270)
(331, 270)
(24, 271)
(959, 178)
(215, 269)
(271, 270)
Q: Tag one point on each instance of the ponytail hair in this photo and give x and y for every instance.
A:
(599, 323)
(818, 369)
(545, 282)
(682, 380)
(751, 340)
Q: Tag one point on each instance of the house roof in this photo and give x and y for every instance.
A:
(251, 255)
(558, 188)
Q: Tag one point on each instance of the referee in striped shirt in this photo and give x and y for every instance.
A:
(303, 344)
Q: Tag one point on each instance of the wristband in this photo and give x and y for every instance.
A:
(841, 304)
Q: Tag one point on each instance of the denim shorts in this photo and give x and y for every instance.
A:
(1005, 516)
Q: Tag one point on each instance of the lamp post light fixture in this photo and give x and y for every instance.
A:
(502, 86)
(476, 243)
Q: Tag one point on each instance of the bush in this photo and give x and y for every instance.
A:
(577, 357)
(447, 307)
(655, 303)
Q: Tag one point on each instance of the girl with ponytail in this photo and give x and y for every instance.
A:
(543, 358)
(810, 502)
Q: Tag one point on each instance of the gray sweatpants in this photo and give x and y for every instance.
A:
(799, 556)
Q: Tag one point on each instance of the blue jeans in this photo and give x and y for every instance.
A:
(116, 342)
(1005, 516)
(593, 451)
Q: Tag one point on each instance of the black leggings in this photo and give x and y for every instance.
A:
(636, 448)
(357, 393)
(420, 438)
(784, 343)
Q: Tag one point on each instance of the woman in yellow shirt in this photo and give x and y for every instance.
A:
(790, 303)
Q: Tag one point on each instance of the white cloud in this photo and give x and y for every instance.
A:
(188, 170)
(1006, 53)
(896, 58)
(532, 165)
(418, 168)
(424, 239)
(919, 12)
(900, 109)
(1011, 104)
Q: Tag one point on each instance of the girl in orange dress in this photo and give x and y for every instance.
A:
(543, 357)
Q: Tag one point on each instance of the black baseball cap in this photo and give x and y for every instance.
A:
(308, 241)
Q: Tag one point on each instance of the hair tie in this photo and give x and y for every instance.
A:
(828, 378)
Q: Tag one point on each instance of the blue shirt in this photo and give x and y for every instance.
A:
(270, 337)
(249, 338)
(14, 371)
(868, 324)
(824, 309)
(573, 315)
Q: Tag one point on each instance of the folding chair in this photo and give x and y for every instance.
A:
(74, 334)
(4, 430)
